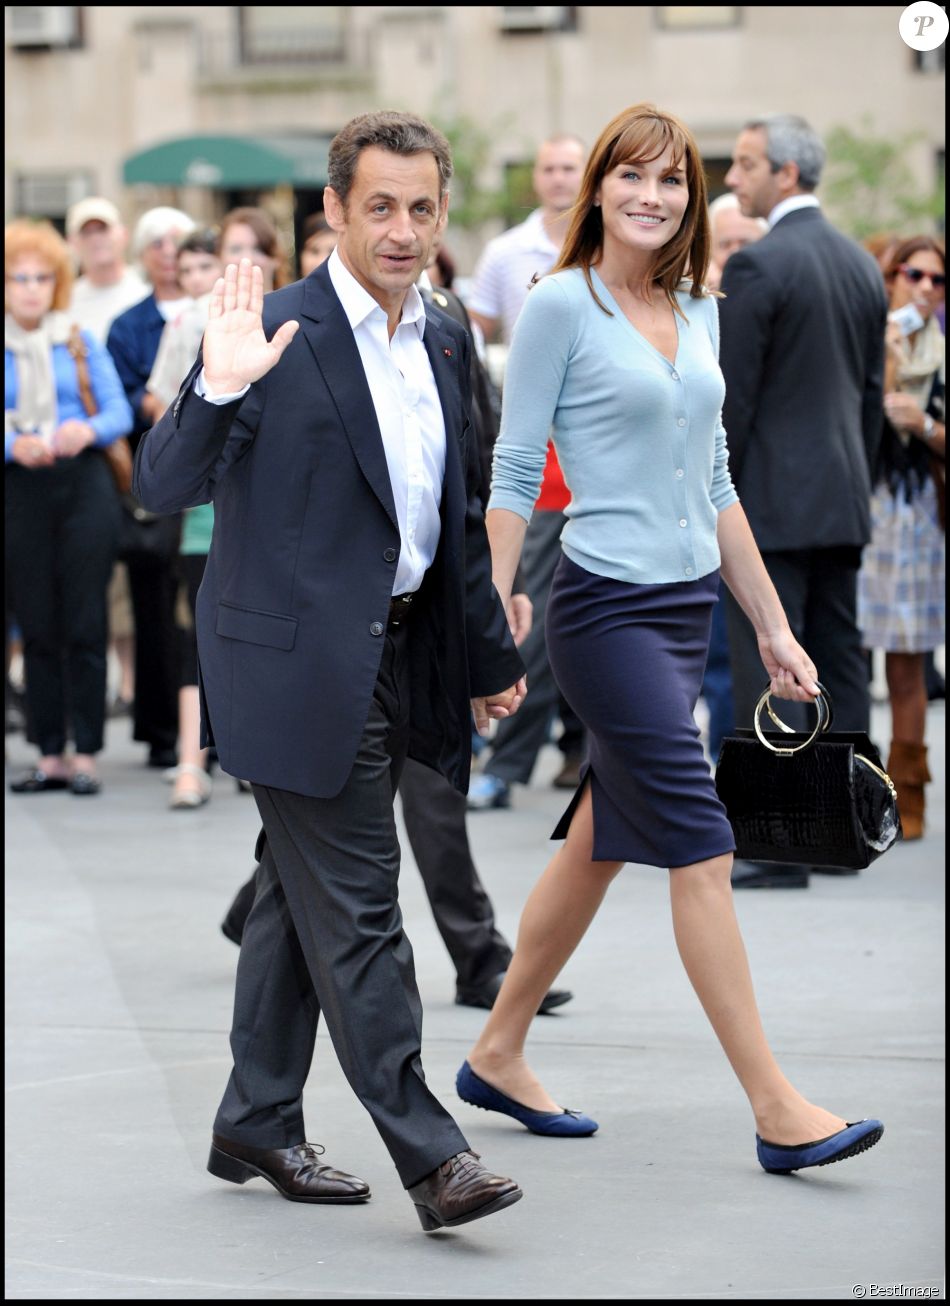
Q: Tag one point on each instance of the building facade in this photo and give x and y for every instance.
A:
(208, 106)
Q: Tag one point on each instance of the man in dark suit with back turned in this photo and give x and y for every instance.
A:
(802, 352)
(346, 617)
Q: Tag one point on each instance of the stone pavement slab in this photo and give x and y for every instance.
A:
(119, 991)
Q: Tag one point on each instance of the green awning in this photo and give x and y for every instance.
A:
(232, 162)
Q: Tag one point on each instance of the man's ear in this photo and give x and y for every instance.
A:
(334, 209)
(443, 211)
(788, 176)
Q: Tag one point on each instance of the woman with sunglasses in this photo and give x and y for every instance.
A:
(61, 506)
(901, 582)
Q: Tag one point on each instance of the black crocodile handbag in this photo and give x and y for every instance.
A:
(819, 799)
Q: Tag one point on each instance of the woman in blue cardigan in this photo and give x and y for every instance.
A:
(61, 507)
(617, 349)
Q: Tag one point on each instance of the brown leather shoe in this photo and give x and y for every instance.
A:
(461, 1189)
(296, 1172)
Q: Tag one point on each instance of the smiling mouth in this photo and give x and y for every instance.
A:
(646, 219)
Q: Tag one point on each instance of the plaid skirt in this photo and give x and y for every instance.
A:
(901, 582)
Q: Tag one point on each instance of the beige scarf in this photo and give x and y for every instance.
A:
(921, 361)
(36, 410)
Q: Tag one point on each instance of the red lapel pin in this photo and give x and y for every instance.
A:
(447, 352)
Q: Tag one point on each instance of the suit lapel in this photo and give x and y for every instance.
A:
(330, 337)
(445, 359)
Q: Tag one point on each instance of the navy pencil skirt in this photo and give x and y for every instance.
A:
(630, 659)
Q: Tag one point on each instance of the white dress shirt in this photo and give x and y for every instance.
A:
(409, 413)
(790, 205)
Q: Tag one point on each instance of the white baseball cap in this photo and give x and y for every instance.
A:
(92, 209)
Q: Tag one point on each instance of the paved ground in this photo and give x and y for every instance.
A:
(119, 997)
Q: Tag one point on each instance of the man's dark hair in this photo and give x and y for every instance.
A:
(400, 133)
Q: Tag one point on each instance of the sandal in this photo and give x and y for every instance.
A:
(190, 797)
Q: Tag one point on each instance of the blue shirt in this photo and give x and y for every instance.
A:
(114, 417)
(640, 439)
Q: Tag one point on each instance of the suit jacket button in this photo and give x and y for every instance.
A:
(390, 555)
(376, 628)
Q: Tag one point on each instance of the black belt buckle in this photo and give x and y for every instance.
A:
(399, 609)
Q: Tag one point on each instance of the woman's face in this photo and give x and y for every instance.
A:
(30, 287)
(643, 203)
(316, 251)
(916, 284)
(240, 241)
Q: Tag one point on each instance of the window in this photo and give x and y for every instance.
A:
(931, 61)
(696, 17)
(49, 194)
(44, 27)
(291, 33)
(537, 18)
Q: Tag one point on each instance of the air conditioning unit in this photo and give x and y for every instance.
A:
(50, 194)
(42, 25)
(532, 18)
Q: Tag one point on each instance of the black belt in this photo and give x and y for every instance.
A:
(400, 608)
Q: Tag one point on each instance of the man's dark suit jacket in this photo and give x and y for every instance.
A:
(802, 351)
(291, 616)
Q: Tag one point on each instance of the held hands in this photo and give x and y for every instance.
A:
(32, 451)
(71, 438)
(791, 670)
(497, 706)
(236, 351)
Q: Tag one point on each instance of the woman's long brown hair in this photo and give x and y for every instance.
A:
(639, 135)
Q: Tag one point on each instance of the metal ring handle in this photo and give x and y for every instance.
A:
(821, 725)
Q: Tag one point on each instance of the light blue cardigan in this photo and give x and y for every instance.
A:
(640, 440)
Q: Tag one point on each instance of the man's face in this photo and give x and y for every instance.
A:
(751, 178)
(99, 245)
(392, 216)
(557, 175)
(732, 231)
(160, 258)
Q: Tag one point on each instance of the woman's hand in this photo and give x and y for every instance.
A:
(31, 451)
(791, 671)
(905, 413)
(72, 437)
(520, 616)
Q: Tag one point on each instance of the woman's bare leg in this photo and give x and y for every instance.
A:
(555, 919)
(712, 951)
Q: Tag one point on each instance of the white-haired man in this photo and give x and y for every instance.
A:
(730, 230)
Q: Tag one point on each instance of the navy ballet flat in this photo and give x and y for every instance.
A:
(777, 1158)
(553, 1124)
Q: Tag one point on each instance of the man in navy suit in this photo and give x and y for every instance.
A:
(347, 617)
(802, 327)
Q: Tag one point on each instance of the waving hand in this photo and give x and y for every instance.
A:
(236, 351)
